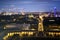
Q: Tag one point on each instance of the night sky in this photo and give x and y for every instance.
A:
(29, 5)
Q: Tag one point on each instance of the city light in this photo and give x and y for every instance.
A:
(29, 19)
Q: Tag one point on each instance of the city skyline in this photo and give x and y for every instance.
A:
(29, 5)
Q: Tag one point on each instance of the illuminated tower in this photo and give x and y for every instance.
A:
(40, 25)
(55, 11)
